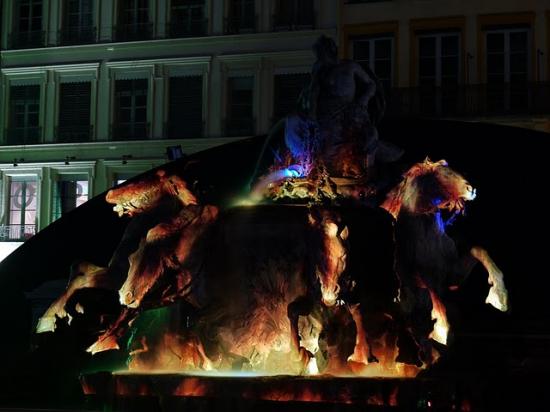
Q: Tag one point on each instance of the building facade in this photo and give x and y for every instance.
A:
(93, 92)
(487, 60)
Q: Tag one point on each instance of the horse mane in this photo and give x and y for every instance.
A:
(424, 190)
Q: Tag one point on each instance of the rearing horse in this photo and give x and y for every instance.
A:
(427, 259)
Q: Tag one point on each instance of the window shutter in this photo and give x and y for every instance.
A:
(56, 207)
(185, 107)
(74, 111)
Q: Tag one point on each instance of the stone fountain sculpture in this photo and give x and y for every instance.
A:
(286, 289)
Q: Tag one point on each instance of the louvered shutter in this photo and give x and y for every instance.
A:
(185, 107)
(74, 112)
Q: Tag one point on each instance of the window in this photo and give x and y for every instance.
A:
(240, 99)
(119, 178)
(187, 18)
(286, 90)
(507, 70)
(507, 56)
(28, 25)
(185, 107)
(130, 110)
(241, 17)
(376, 53)
(22, 207)
(24, 115)
(438, 59)
(69, 193)
(439, 72)
(74, 112)
(133, 21)
(78, 22)
(294, 14)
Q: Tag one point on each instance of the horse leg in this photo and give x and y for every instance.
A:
(109, 339)
(362, 352)
(414, 322)
(301, 306)
(498, 295)
(85, 276)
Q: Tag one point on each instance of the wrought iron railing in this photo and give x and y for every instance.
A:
(241, 24)
(187, 130)
(77, 35)
(240, 126)
(72, 134)
(189, 28)
(133, 32)
(27, 39)
(11, 233)
(471, 101)
(23, 135)
(130, 131)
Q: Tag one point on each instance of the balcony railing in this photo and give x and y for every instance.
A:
(130, 131)
(189, 130)
(190, 28)
(471, 101)
(241, 24)
(74, 134)
(240, 127)
(23, 135)
(289, 23)
(27, 39)
(77, 35)
(133, 32)
(15, 233)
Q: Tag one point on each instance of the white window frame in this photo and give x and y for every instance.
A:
(507, 51)
(131, 71)
(438, 55)
(7, 174)
(372, 52)
(21, 77)
(67, 172)
(65, 177)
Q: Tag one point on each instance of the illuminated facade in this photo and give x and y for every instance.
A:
(473, 60)
(93, 92)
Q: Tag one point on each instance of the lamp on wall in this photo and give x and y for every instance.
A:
(16, 161)
(68, 159)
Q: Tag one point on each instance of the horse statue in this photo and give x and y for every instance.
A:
(428, 260)
(177, 257)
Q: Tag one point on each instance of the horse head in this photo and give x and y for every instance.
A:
(334, 254)
(429, 187)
